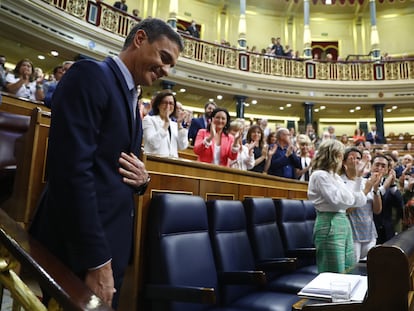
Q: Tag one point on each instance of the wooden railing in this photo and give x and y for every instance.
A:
(117, 22)
(21, 255)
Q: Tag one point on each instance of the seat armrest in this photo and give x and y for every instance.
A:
(243, 277)
(202, 295)
(302, 252)
(277, 264)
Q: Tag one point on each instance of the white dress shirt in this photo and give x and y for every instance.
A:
(328, 192)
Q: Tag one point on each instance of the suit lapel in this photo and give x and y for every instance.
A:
(134, 119)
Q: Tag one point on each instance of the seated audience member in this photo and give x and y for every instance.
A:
(271, 139)
(331, 197)
(293, 135)
(192, 30)
(366, 161)
(374, 137)
(310, 131)
(361, 217)
(265, 128)
(331, 131)
(255, 135)
(404, 166)
(3, 72)
(58, 73)
(388, 222)
(282, 158)
(21, 81)
(303, 173)
(202, 122)
(360, 145)
(163, 136)
(135, 13)
(121, 5)
(345, 140)
(359, 136)
(215, 145)
(245, 157)
(408, 146)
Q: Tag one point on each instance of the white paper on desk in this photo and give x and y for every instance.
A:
(320, 286)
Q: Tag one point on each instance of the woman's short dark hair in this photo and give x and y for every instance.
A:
(158, 99)
(227, 126)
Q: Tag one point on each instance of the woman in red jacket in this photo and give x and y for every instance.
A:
(215, 145)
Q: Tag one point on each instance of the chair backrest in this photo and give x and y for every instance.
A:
(231, 243)
(179, 247)
(12, 127)
(291, 218)
(263, 229)
(310, 215)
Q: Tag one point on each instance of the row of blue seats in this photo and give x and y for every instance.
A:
(227, 255)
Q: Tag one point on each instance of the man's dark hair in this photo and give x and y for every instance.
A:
(55, 70)
(209, 103)
(349, 150)
(155, 29)
(380, 156)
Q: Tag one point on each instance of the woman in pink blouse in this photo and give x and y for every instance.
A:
(215, 145)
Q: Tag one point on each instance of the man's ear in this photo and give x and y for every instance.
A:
(140, 37)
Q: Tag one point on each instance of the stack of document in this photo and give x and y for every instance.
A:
(320, 286)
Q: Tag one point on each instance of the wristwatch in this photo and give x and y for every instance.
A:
(378, 192)
(141, 189)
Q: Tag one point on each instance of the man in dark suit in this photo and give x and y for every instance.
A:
(375, 137)
(121, 5)
(192, 30)
(202, 122)
(282, 158)
(87, 214)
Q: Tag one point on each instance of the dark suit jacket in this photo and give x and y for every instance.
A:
(193, 31)
(121, 6)
(375, 139)
(384, 221)
(48, 97)
(196, 124)
(284, 166)
(87, 215)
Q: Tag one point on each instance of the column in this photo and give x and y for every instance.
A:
(374, 31)
(242, 25)
(240, 100)
(308, 113)
(172, 18)
(307, 39)
(379, 118)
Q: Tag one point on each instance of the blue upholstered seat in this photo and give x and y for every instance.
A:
(180, 265)
(267, 246)
(296, 219)
(233, 252)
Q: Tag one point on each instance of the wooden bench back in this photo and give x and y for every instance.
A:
(31, 173)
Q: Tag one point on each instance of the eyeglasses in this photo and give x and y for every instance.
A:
(168, 103)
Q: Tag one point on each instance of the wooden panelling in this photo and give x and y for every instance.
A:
(31, 163)
(17, 105)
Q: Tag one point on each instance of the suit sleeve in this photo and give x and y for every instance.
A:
(78, 112)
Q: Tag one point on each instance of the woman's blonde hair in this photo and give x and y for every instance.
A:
(329, 156)
(303, 139)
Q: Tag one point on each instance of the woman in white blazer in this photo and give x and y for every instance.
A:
(163, 136)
